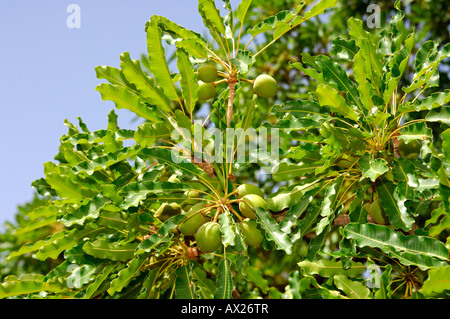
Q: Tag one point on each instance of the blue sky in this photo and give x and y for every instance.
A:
(47, 75)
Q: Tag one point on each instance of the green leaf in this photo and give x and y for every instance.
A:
(429, 102)
(126, 99)
(328, 268)
(415, 131)
(243, 61)
(364, 86)
(438, 281)
(422, 251)
(439, 115)
(89, 210)
(273, 232)
(148, 133)
(344, 49)
(397, 66)
(243, 9)
(188, 80)
(224, 283)
(104, 249)
(163, 235)
(54, 247)
(254, 275)
(353, 289)
(228, 229)
(157, 60)
(372, 63)
(26, 285)
(393, 206)
(107, 160)
(133, 193)
(124, 276)
(166, 156)
(92, 289)
(372, 168)
(334, 75)
(446, 144)
(183, 283)
(286, 171)
(144, 84)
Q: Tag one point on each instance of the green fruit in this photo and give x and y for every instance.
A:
(253, 235)
(246, 189)
(166, 210)
(376, 212)
(265, 86)
(192, 222)
(192, 197)
(207, 73)
(254, 201)
(409, 150)
(208, 237)
(206, 91)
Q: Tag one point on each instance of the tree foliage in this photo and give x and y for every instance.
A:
(106, 224)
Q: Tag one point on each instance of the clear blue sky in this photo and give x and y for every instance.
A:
(47, 75)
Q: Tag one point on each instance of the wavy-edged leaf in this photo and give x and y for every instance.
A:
(70, 239)
(39, 217)
(429, 102)
(89, 210)
(25, 285)
(353, 289)
(163, 235)
(242, 10)
(334, 75)
(157, 60)
(415, 131)
(92, 289)
(273, 232)
(133, 193)
(224, 283)
(211, 14)
(227, 228)
(188, 80)
(372, 63)
(104, 249)
(301, 109)
(144, 84)
(393, 206)
(124, 276)
(439, 115)
(344, 49)
(205, 286)
(397, 66)
(419, 250)
(255, 275)
(427, 62)
(183, 283)
(286, 171)
(328, 268)
(64, 183)
(32, 247)
(126, 99)
(275, 21)
(148, 133)
(171, 158)
(372, 168)
(330, 97)
(105, 161)
(362, 78)
(438, 281)
(289, 197)
(446, 144)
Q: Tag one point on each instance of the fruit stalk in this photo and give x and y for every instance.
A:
(232, 80)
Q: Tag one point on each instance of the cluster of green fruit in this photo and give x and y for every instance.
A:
(207, 232)
(264, 85)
